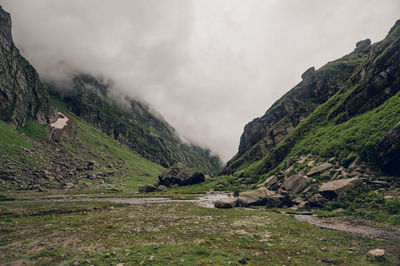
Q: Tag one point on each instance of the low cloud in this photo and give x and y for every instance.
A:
(208, 66)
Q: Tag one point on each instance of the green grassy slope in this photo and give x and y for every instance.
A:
(26, 152)
(133, 124)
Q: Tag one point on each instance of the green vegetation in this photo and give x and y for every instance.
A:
(15, 148)
(34, 130)
(102, 233)
(134, 125)
(370, 205)
(92, 144)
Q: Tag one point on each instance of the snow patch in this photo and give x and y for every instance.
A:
(61, 121)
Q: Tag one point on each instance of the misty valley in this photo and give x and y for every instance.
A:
(93, 175)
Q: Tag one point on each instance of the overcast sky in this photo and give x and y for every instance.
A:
(208, 66)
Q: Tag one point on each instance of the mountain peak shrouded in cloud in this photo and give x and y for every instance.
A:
(207, 66)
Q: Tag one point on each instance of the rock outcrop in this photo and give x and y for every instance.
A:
(363, 46)
(22, 95)
(343, 89)
(261, 135)
(388, 151)
(177, 175)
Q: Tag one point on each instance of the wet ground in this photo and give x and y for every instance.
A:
(206, 200)
(350, 224)
(353, 225)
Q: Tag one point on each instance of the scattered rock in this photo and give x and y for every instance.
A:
(162, 188)
(316, 201)
(295, 183)
(355, 163)
(91, 165)
(376, 253)
(319, 168)
(147, 188)
(270, 183)
(311, 163)
(337, 189)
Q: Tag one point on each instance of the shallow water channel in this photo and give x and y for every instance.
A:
(206, 200)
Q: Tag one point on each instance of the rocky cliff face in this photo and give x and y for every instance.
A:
(262, 134)
(22, 96)
(338, 95)
(133, 124)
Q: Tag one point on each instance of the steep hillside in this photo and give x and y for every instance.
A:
(22, 96)
(342, 110)
(78, 156)
(133, 124)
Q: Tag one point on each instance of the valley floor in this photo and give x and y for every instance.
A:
(179, 233)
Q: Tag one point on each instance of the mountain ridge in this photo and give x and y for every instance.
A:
(372, 71)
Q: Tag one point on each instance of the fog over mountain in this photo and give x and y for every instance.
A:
(208, 66)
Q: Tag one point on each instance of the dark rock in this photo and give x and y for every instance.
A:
(308, 73)
(147, 188)
(316, 201)
(22, 95)
(278, 200)
(180, 175)
(388, 151)
(363, 46)
(91, 165)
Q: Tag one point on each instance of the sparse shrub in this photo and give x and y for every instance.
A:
(392, 206)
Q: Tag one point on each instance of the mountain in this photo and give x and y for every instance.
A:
(331, 138)
(345, 107)
(102, 144)
(22, 95)
(132, 123)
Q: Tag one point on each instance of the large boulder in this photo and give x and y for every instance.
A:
(262, 196)
(226, 203)
(337, 189)
(295, 183)
(258, 196)
(180, 175)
